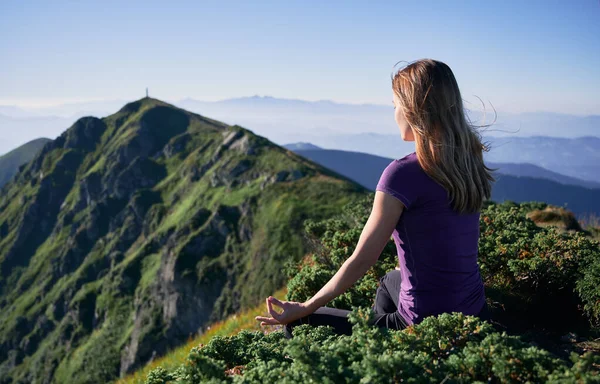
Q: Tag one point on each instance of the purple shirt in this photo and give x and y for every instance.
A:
(437, 247)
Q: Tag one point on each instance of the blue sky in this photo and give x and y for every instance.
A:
(519, 55)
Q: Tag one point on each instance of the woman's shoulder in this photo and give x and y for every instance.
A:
(403, 179)
(405, 165)
(411, 158)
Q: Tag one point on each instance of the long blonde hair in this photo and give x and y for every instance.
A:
(448, 147)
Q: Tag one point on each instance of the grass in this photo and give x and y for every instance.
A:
(184, 209)
(97, 167)
(27, 301)
(230, 326)
(150, 267)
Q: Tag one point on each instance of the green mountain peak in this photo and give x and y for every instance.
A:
(128, 234)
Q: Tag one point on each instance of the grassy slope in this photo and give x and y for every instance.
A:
(230, 326)
(80, 349)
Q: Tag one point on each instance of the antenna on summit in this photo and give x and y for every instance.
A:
(146, 92)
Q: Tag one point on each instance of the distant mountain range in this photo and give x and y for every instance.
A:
(577, 157)
(574, 152)
(531, 170)
(516, 182)
(284, 120)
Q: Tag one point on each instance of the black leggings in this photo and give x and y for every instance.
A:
(385, 308)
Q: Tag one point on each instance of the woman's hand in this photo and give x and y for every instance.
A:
(292, 310)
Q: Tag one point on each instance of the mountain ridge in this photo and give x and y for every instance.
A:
(366, 169)
(511, 169)
(127, 234)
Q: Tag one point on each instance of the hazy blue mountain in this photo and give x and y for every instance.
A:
(363, 168)
(531, 170)
(506, 124)
(581, 201)
(10, 162)
(577, 157)
(366, 169)
(301, 146)
(513, 169)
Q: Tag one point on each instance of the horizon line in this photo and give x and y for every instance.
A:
(47, 103)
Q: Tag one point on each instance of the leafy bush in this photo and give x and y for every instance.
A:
(538, 272)
(520, 264)
(449, 347)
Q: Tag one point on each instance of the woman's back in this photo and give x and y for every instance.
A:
(429, 201)
(437, 247)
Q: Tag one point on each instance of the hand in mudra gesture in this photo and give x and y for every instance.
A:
(292, 310)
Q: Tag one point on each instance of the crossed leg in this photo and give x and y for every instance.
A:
(385, 308)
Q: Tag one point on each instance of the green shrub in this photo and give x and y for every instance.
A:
(451, 347)
(588, 288)
(538, 271)
(159, 376)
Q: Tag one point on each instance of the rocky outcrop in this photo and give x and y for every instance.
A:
(176, 145)
(280, 177)
(244, 146)
(141, 173)
(84, 237)
(231, 137)
(232, 176)
(181, 301)
(131, 221)
(85, 134)
(241, 167)
(233, 140)
(245, 222)
(90, 189)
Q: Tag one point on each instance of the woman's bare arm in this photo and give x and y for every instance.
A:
(375, 235)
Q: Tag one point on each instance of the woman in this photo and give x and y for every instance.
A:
(429, 201)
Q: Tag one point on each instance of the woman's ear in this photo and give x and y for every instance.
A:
(410, 134)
